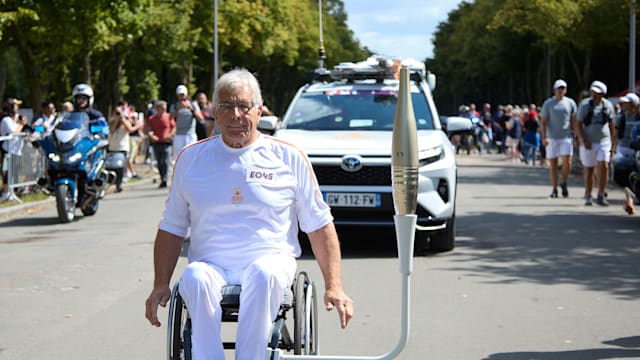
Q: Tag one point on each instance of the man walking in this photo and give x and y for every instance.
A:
(161, 128)
(597, 133)
(558, 118)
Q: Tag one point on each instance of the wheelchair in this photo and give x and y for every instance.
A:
(300, 298)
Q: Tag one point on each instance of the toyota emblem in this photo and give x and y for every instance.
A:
(351, 163)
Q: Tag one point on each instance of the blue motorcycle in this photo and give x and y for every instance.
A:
(76, 151)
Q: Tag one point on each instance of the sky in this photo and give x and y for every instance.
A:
(398, 28)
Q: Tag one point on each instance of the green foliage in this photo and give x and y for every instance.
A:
(140, 49)
(500, 51)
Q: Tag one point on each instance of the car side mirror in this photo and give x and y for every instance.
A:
(431, 81)
(268, 124)
(458, 125)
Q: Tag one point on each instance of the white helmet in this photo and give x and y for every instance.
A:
(83, 89)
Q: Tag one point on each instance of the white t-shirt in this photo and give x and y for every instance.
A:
(241, 204)
(7, 127)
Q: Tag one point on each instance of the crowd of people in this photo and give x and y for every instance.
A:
(595, 127)
(158, 133)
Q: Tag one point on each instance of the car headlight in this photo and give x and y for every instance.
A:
(431, 155)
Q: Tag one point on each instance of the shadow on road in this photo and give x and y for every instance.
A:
(496, 172)
(585, 354)
(600, 252)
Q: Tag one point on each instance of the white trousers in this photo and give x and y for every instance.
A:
(180, 141)
(263, 286)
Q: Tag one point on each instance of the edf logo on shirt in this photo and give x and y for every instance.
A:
(261, 176)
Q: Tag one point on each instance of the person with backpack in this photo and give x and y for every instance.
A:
(597, 135)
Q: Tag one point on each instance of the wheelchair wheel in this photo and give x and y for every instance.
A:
(178, 329)
(305, 339)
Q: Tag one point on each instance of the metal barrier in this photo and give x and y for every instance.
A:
(24, 163)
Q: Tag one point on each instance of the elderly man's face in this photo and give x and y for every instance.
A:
(238, 117)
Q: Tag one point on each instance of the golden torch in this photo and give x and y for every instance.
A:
(404, 151)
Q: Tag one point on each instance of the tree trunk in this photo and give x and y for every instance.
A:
(31, 68)
(117, 77)
(576, 70)
(586, 70)
(3, 75)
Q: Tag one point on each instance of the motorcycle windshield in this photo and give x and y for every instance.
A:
(74, 121)
(73, 127)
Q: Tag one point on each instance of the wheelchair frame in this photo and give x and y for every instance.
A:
(305, 321)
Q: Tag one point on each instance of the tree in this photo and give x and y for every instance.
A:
(140, 49)
(499, 51)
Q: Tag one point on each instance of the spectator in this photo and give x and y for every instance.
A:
(596, 131)
(533, 112)
(625, 121)
(530, 139)
(119, 129)
(513, 127)
(487, 121)
(135, 139)
(631, 191)
(207, 114)
(473, 111)
(185, 113)
(499, 133)
(47, 118)
(161, 128)
(243, 230)
(12, 123)
(558, 120)
(466, 140)
(67, 107)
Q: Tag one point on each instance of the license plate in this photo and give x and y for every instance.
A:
(352, 199)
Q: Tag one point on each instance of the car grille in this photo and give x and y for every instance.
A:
(368, 175)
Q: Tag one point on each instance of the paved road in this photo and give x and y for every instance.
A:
(530, 278)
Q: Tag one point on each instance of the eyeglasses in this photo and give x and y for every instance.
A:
(243, 106)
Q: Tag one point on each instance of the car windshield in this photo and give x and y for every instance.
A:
(353, 110)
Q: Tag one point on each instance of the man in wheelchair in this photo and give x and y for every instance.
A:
(242, 195)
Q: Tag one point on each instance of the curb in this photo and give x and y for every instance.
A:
(12, 212)
(19, 210)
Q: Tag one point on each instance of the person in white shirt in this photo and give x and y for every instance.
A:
(12, 123)
(47, 117)
(244, 230)
(558, 119)
(597, 134)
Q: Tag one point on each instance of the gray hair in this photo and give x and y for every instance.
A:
(237, 79)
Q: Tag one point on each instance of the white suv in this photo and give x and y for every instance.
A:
(345, 127)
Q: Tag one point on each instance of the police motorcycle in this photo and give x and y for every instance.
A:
(76, 152)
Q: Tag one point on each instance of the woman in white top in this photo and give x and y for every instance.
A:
(119, 129)
(11, 123)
